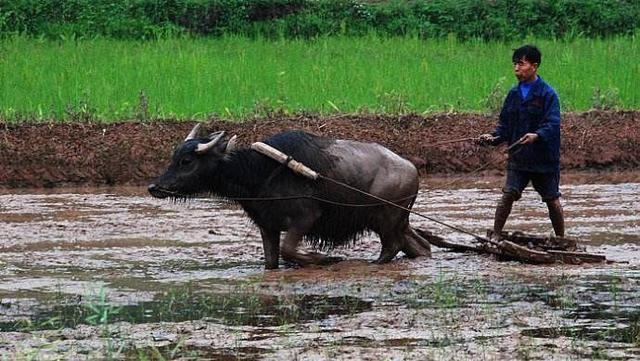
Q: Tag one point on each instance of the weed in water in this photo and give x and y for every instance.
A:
(445, 293)
(614, 289)
(100, 312)
(524, 351)
(634, 333)
(169, 352)
(566, 298)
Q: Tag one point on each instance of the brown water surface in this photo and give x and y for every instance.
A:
(186, 279)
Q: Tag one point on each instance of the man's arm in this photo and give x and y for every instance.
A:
(499, 135)
(550, 125)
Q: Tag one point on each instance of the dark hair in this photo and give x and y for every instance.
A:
(529, 52)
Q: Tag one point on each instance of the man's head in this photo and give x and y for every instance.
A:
(526, 61)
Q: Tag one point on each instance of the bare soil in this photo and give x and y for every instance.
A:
(133, 153)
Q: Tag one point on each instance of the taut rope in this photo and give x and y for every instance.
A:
(309, 173)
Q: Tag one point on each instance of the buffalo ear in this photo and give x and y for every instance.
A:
(205, 147)
(232, 144)
(216, 134)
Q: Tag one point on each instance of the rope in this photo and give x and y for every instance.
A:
(382, 200)
(336, 203)
(456, 228)
(456, 180)
(358, 204)
(286, 198)
(459, 229)
(450, 141)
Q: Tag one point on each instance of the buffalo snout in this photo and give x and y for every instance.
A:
(156, 191)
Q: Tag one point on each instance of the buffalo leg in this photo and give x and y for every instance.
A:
(299, 227)
(271, 246)
(290, 253)
(290, 244)
(415, 246)
(391, 245)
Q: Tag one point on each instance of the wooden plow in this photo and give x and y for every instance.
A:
(522, 247)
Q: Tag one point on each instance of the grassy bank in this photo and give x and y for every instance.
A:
(236, 77)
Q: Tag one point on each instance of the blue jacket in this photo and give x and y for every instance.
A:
(538, 113)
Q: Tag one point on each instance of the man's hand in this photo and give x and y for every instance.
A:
(485, 139)
(528, 138)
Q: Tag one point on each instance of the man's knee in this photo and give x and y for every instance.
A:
(509, 196)
(552, 201)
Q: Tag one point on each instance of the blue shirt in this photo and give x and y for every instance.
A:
(524, 89)
(538, 112)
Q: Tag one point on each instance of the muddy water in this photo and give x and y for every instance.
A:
(88, 273)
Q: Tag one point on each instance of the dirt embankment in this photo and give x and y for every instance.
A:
(48, 155)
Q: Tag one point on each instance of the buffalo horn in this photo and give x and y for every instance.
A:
(231, 144)
(193, 133)
(203, 148)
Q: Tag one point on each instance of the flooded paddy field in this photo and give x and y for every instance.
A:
(114, 273)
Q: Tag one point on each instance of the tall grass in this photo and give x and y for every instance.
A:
(234, 77)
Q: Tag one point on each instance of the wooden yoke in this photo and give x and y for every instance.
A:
(282, 158)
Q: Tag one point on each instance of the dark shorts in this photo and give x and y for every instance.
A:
(546, 184)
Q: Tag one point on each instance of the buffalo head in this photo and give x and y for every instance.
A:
(192, 162)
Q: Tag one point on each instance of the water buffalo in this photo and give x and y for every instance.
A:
(278, 200)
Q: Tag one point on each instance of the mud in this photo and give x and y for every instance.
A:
(89, 273)
(55, 154)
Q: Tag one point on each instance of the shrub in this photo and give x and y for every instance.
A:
(468, 19)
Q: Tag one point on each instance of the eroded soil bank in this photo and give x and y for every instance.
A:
(99, 273)
(52, 154)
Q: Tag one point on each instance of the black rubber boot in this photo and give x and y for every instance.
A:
(557, 217)
(502, 213)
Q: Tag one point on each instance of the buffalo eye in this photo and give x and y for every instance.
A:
(185, 161)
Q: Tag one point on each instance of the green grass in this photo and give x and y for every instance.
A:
(236, 77)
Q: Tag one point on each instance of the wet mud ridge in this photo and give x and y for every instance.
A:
(54, 154)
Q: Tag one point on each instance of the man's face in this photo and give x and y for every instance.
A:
(524, 70)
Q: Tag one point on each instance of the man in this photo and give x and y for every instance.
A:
(530, 124)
